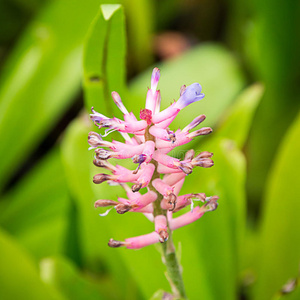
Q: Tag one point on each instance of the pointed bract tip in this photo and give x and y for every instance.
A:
(171, 201)
(186, 167)
(136, 187)
(204, 154)
(94, 139)
(163, 235)
(122, 208)
(182, 89)
(103, 154)
(211, 203)
(189, 155)
(99, 178)
(105, 203)
(203, 162)
(139, 158)
(199, 196)
(115, 244)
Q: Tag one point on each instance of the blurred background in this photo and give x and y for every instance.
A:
(59, 58)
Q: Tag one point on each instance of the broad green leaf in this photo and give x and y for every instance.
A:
(66, 278)
(35, 210)
(19, 277)
(41, 78)
(104, 59)
(212, 66)
(278, 255)
(140, 19)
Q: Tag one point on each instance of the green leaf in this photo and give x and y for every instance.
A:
(278, 255)
(35, 210)
(212, 66)
(66, 278)
(141, 17)
(41, 79)
(19, 278)
(104, 59)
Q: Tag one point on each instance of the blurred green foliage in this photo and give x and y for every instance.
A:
(53, 244)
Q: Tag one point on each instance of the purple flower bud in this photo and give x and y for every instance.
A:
(190, 95)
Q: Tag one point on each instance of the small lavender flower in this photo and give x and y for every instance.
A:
(148, 146)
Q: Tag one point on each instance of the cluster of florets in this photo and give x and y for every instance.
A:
(148, 142)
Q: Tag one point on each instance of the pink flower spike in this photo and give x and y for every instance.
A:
(162, 187)
(142, 240)
(187, 218)
(117, 99)
(161, 227)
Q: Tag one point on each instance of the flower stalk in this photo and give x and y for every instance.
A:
(157, 180)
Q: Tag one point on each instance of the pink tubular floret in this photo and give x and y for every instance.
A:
(142, 240)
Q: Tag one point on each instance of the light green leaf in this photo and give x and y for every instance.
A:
(104, 59)
(19, 278)
(278, 255)
(41, 78)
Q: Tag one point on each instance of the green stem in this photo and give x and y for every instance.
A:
(168, 252)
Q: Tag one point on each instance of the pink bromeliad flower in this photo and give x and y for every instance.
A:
(147, 142)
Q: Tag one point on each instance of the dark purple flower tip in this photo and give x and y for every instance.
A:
(139, 159)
